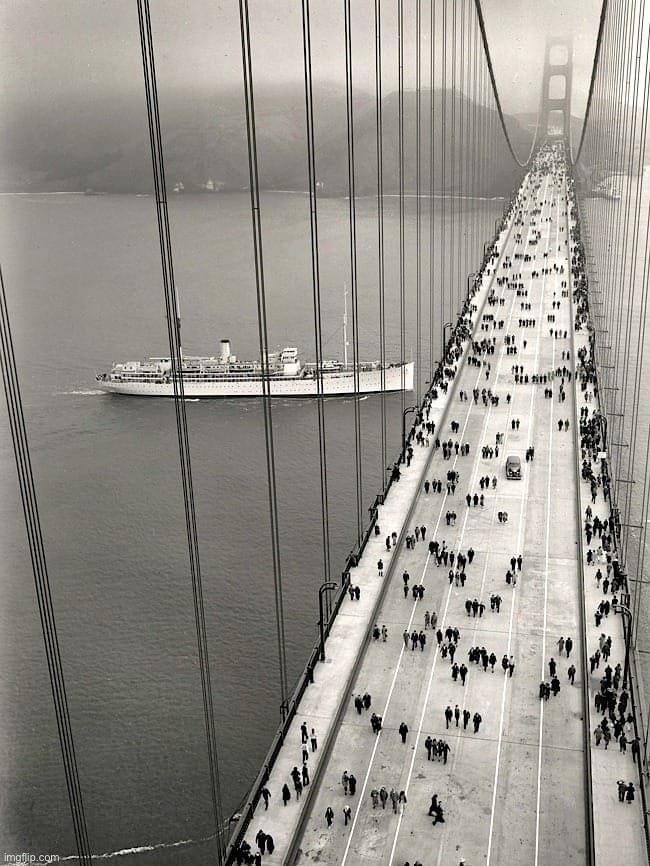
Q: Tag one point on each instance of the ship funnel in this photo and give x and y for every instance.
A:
(225, 351)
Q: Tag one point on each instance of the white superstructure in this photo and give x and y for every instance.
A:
(225, 376)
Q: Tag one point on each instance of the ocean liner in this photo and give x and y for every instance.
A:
(226, 376)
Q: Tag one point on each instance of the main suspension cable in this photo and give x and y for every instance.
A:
(488, 59)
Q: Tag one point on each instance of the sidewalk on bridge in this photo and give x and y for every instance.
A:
(618, 827)
(328, 695)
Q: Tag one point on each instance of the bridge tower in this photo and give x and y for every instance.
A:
(555, 111)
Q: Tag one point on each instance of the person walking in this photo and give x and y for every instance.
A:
(403, 731)
(511, 665)
(466, 717)
(286, 794)
(329, 815)
(266, 794)
(477, 719)
(347, 815)
(572, 674)
(568, 646)
(448, 716)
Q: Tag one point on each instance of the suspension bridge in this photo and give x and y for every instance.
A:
(508, 542)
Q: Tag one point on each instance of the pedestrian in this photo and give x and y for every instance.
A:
(622, 788)
(552, 666)
(448, 715)
(629, 793)
(572, 674)
(329, 815)
(314, 741)
(403, 731)
(477, 719)
(383, 796)
(270, 844)
(260, 839)
(286, 794)
(560, 645)
(466, 718)
(457, 714)
(345, 781)
(511, 665)
(303, 733)
(265, 796)
(347, 814)
(305, 775)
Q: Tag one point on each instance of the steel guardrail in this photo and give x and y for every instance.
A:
(588, 776)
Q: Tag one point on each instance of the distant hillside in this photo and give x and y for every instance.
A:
(104, 144)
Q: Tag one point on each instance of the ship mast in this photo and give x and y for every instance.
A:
(345, 325)
(176, 312)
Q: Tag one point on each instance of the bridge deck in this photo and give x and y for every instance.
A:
(515, 791)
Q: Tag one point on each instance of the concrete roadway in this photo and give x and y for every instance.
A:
(513, 792)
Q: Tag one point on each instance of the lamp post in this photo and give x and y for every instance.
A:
(621, 608)
(444, 337)
(404, 414)
(325, 587)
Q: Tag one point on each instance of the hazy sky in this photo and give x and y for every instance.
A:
(50, 47)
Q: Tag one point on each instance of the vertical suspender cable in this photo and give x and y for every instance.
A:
(475, 113)
(260, 288)
(41, 580)
(349, 93)
(380, 235)
(418, 203)
(315, 274)
(462, 234)
(432, 207)
(400, 136)
(173, 333)
(453, 277)
(443, 201)
(635, 206)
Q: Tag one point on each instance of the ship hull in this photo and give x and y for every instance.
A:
(334, 385)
